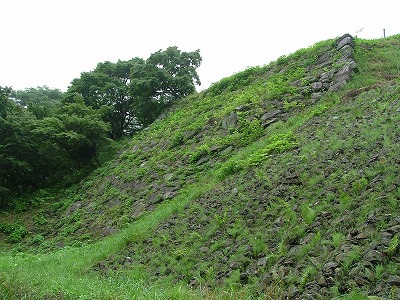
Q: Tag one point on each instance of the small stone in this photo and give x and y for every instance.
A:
(326, 77)
(338, 271)
(322, 58)
(189, 134)
(340, 257)
(347, 52)
(394, 280)
(336, 86)
(316, 96)
(368, 274)
(170, 194)
(268, 279)
(168, 177)
(373, 256)
(345, 70)
(233, 118)
(229, 121)
(364, 235)
(270, 115)
(321, 280)
(317, 86)
(262, 261)
(242, 107)
(394, 229)
(244, 278)
(212, 121)
(269, 122)
(297, 83)
(330, 281)
(361, 281)
(292, 292)
(346, 39)
(330, 265)
(342, 288)
(227, 150)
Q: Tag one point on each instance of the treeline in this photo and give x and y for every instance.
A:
(47, 135)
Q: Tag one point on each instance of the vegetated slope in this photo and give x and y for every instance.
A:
(279, 181)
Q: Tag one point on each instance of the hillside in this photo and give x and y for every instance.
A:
(279, 182)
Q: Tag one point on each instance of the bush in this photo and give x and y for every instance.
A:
(16, 232)
(201, 151)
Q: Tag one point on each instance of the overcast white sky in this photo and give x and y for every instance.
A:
(50, 42)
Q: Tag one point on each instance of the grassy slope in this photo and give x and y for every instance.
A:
(234, 210)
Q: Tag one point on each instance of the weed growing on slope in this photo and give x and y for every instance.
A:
(337, 239)
(393, 246)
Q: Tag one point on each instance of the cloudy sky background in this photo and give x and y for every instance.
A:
(50, 42)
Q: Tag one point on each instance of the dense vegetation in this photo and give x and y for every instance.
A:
(48, 136)
(265, 186)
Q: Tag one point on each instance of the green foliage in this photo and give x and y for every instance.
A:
(359, 185)
(393, 246)
(337, 239)
(230, 168)
(40, 101)
(352, 257)
(35, 152)
(77, 129)
(278, 85)
(221, 219)
(306, 275)
(177, 140)
(308, 214)
(355, 295)
(234, 82)
(251, 131)
(276, 144)
(379, 269)
(15, 231)
(201, 151)
(258, 245)
(291, 105)
(133, 93)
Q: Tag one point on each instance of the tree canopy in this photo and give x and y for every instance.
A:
(40, 101)
(133, 93)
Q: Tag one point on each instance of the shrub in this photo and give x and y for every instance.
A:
(201, 151)
(16, 232)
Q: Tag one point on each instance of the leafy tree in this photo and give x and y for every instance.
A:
(107, 86)
(136, 91)
(165, 77)
(77, 129)
(35, 152)
(40, 101)
(19, 155)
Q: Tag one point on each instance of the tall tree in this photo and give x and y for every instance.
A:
(107, 88)
(165, 77)
(135, 91)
